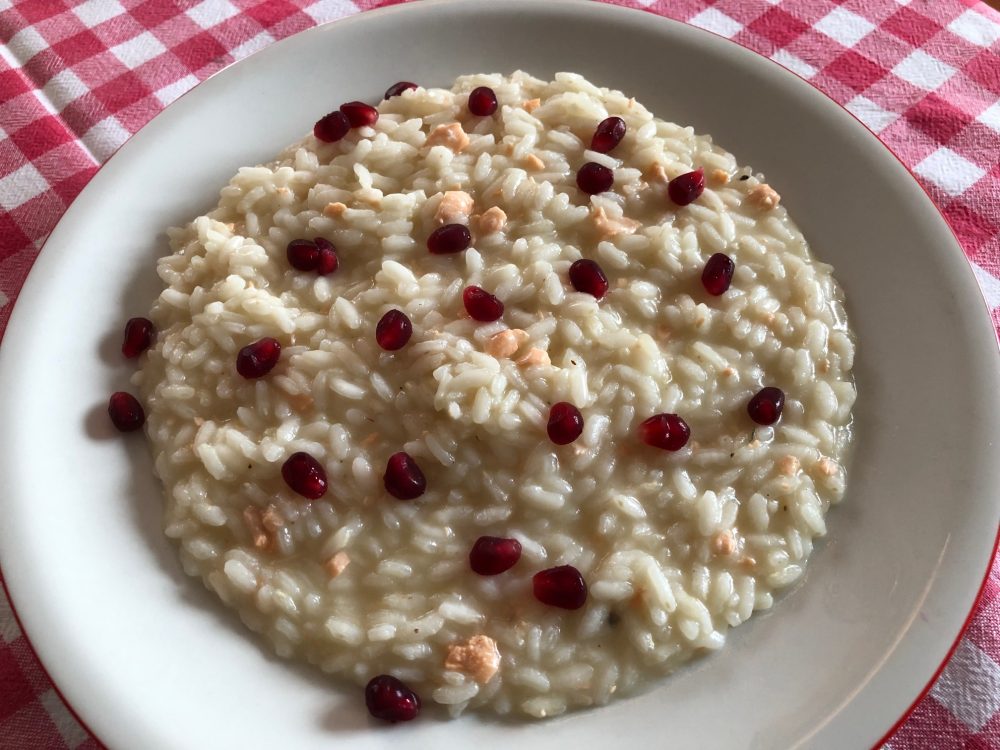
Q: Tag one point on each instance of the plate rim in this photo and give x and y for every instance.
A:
(613, 9)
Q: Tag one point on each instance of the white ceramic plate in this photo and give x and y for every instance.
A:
(150, 661)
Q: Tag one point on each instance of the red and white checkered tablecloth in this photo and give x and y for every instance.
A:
(77, 78)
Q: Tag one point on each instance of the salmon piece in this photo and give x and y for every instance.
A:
(531, 105)
(764, 197)
(254, 524)
(334, 210)
(454, 208)
(608, 226)
(535, 356)
(272, 519)
(491, 220)
(788, 465)
(826, 467)
(477, 657)
(656, 173)
(533, 163)
(337, 564)
(723, 543)
(451, 135)
(719, 176)
(505, 343)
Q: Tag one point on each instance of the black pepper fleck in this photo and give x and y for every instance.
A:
(744, 177)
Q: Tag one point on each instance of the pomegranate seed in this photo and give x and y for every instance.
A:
(305, 475)
(258, 359)
(359, 114)
(482, 101)
(481, 305)
(666, 431)
(687, 187)
(403, 478)
(332, 127)
(327, 260)
(398, 88)
(126, 411)
(138, 337)
(766, 406)
(303, 255)
(492, 555)
(393, 330)
(594, 178)
(608, 134)
(389, 699)
(718, 274)
(588, 277)
(565, 423)
(562, 586)
(451, 238)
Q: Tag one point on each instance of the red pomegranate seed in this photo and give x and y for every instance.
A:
(332, 127)
(565, 423)
(138, 337)
(608, 134)
(305, 475)
(482, 101)
(718, 274)
(403, 478)
(393, 330)
(492, 555)
(766, 406)
(666, 431)
(481, 305)
(594, 178)
(390, 699)
(687, 187)
(126, 411)
(359, 114)
(302, 255)
(588, 277)
(562, 586)
(398, 88)
(327, 260)
(451, 238)
(258, 359)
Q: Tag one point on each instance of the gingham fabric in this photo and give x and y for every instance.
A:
(77, 78)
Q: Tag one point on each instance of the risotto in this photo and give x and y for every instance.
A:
(510, 396)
